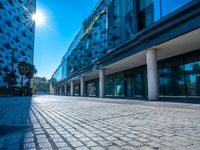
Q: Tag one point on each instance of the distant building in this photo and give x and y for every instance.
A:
(16, 36)
(134, 48)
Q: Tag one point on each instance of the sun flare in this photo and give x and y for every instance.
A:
(39, 18)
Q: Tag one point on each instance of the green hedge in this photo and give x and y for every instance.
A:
(4, 90)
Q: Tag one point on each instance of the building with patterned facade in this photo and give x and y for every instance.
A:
(134, 49)
(16, 36)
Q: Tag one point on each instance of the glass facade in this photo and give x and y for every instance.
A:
(111, 24)
(131, 83)
(179, 76)
(169, 6)
(145, 13)
(114, 85)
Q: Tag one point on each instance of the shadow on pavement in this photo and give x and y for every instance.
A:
(14, 121)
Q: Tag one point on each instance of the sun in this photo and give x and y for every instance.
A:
(39, 18)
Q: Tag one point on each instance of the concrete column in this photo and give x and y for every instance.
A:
(101, 83)
(72, 88)
(65, 89)
(60, 90)
(152, 74)
(51, 89)
(82, 86)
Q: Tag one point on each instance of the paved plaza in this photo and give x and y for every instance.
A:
(65, 123)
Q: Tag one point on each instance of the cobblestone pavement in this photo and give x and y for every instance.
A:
(52, 122)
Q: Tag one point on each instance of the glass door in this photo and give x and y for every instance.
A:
(137, 84)
(129, 87)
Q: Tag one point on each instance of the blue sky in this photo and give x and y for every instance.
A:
(63, 20)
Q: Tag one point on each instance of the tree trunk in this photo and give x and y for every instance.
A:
(22, 80)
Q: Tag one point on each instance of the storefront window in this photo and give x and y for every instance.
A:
(92, 89)
(120, 84)
(110, 86)
(180, 76)
(192, 71)
(160, 79)
(173, 79)
(138, 90)
(77, 90)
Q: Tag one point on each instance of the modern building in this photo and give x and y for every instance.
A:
(16, 36)
(134, 48)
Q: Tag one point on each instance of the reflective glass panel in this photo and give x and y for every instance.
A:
(138, 84)
(120, 84)
(169, 6)
(145, 13)
(173, 79)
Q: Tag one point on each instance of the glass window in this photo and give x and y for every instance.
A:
(173, 77)
(143, 4)
(193, 84)
(92, 88)
(77, 90)
(169, 6)
(120, 84)
(138, 88)
(192, 71)
(145, 13)
(110, 86)
(157, 10)
(127, 23)
(129, 86)
(193, 78)
(160, 79)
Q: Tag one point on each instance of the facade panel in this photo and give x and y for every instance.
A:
(16, 36)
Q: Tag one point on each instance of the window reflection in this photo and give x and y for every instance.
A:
(173, 79)
(180, 78)
(91, 89)
(169, 6)
(193, 78)
(145, 13)
(120, 84)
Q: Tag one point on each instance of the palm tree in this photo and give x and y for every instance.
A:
(9, 78)
(23, 70)
(30, 73)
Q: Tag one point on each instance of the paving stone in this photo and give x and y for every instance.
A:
(97, 148)
(91, 123)
(90, 144)
(118, 142)
(76, 144)
(114, 148)
(105, 143)
(29, 145)
(45, 145)
(135, 143)
(85, 139)
(82, 148)
(65, 148)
